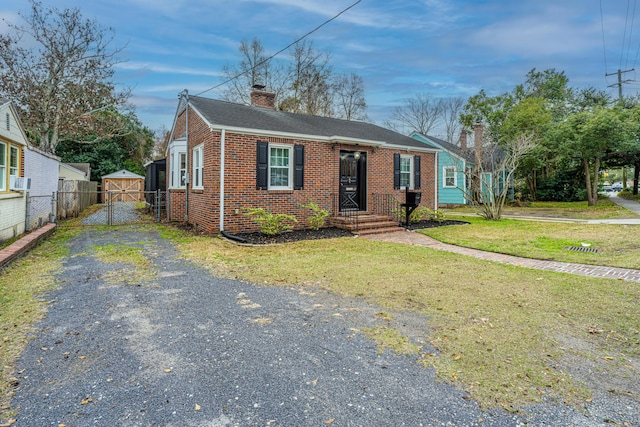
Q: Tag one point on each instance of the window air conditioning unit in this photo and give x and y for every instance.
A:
(17, 183)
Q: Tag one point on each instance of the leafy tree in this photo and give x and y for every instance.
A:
(126, 150)
(58, 68)
(588, 136)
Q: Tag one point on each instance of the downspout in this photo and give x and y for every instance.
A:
(435, 202)
(186, 172)
(221, 202)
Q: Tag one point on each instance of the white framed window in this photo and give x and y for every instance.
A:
(198, 167)
(3, 166)
(13, 161)
(449, 175)
(178, 169)
(406, 172)
(182, 169)
(280, 167)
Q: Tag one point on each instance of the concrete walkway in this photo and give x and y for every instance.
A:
(418, 239)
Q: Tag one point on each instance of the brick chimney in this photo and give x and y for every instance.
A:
(477, 141)
(463, 141)
(263, 98)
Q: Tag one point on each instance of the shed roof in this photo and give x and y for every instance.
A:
(123, 174)
(251, 118)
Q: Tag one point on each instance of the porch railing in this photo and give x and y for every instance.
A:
(379, 204)
(386, 205)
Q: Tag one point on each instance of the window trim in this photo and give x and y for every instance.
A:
(454, 176)
(405, 157)
(3, 166)
(289, 167)
(198, 167)
(14, 170)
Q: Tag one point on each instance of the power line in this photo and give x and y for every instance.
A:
(604, 47)
(624, 34)
(282, 50)
(633, 16)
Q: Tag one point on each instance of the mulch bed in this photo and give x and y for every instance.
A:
(324, 233)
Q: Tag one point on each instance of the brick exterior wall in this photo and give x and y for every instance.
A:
(321, 178)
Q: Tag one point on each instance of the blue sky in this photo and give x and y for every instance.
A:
(399, 47)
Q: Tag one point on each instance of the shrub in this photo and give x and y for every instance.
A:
(420, 213)
(318, 217)
(269, 222)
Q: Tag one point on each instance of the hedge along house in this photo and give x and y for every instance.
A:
(223, 158)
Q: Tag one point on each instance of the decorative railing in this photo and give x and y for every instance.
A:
(379, 204)
(386, 205)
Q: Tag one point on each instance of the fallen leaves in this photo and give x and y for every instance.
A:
(198, 407)
(8, 423)
(86, 401)
(330, 421)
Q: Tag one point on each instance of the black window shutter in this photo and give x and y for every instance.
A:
(262, 165)
(396, 171)
(298, 170)
(416, 172)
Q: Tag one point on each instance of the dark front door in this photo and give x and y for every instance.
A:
(352, 174)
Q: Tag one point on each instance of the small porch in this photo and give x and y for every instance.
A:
(382, 215)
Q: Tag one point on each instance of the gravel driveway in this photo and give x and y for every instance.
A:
(185, 348)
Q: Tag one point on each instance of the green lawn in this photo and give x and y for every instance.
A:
(617, 245)
(605, 209)
(501, 332)
(505, 334)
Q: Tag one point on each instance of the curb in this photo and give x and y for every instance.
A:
(25, 244)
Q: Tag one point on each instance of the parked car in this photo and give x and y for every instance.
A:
(607, 188)
(616, 186)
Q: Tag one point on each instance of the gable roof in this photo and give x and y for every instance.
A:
(122, 174)
(447, 146)
(251, 119)
(15, 132)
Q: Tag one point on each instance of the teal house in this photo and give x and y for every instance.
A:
(452, 162)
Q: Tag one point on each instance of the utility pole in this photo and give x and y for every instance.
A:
(619, 84)
(620, 81)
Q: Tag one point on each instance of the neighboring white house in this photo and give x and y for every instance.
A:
(13, 194)
(75, 171)
(42, 168)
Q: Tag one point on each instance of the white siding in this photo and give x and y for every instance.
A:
(12, 215)
(43, 171)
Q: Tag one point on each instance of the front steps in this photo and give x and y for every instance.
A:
(364, 224)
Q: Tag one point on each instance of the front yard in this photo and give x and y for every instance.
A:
(509, 336)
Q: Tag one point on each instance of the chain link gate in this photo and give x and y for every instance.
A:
(116, 208)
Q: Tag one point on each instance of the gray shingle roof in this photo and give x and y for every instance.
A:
(467, 155)
(227, 114)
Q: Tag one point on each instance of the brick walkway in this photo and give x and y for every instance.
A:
(25, 243)
(418, 239)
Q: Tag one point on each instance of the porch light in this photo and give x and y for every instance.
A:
(356, 155)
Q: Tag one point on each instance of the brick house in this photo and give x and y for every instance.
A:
(223, 158)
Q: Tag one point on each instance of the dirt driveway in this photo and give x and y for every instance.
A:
(175, 346)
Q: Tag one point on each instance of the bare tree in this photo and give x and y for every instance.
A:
(309, 80)
(63, 79)
(418, 114)
(451, 109)
(254, 68)
(491, 179)
(349, 97)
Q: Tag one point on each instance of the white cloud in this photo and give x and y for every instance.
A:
(157, 68)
